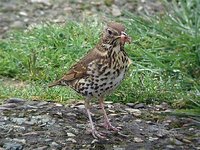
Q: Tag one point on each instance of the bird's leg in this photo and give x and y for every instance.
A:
(93, 130)
(107, 123)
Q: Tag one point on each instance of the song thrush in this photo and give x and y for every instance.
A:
(100, 71)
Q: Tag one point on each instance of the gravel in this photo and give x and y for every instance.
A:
(24, 13)
(46, 125)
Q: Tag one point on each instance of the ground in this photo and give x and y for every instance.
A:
(26, 124)
(23, 13)
(45, 125)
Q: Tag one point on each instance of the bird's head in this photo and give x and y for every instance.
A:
(114, 34)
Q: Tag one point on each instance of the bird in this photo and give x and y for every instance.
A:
(100, 71)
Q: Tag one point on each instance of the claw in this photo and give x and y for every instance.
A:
(108, 126)
(97, 135)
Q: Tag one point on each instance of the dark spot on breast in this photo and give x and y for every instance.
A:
(90, 65)
(92, 83)
(118, 72)
(111, 82)
(93, 71)
(86, 92)
(123, 59)
(114, 66)
(114, 55)
(102, 84)
(103, 69)
(82, 83)
(81, 89)
(101, 89)
(107, 88)
(99, 66)
(90, 93)
(96, 87)
(97, 80)
(106, 74)
(114, 43)
(105, 78)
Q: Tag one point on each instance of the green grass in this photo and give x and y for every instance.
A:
(165, 53)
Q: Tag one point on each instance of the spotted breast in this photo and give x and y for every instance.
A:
(104, 74)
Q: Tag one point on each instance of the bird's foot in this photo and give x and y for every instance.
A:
(108, 126)
(97, 134)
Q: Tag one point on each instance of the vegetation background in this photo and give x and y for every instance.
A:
(165, 52)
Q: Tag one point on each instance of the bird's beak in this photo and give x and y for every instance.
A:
(125, 38)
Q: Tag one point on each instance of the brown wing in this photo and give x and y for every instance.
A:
(79, 70)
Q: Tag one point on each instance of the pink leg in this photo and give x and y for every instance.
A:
(93, 130)
(107, 123)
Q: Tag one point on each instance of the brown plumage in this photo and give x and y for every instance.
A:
(101, 70)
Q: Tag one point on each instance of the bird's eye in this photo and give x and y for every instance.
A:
(109, 32)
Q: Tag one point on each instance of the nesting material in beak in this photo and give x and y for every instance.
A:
(125, 38)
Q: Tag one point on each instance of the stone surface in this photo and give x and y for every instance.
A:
(45, 2)
(71, 140)
(70, 134)
(135, 112)
(12, 146)
(40, 125)
(15, 100)
(138, 140)
(139, 106)
(116, 11)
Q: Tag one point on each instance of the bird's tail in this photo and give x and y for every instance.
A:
(58, 82)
